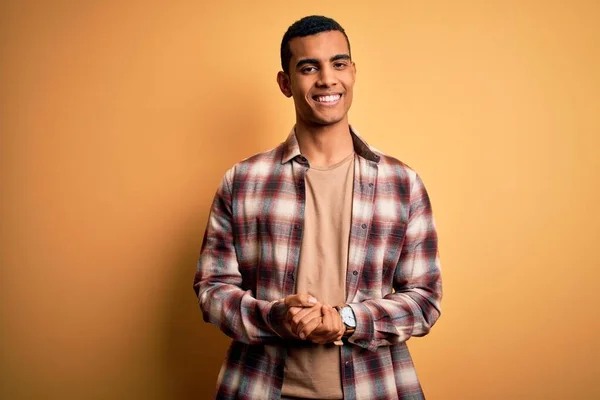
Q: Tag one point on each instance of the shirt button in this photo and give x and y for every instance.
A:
(364, 226)
(354, 273)
(296, 227)
(371, 184)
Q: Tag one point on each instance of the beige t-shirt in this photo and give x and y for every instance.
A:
(312, 371)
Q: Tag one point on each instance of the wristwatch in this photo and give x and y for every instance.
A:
(348, 318)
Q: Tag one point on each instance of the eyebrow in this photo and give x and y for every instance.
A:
(315, 61)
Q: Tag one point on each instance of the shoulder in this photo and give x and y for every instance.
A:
(260, 164)
(395, 178)
(394, 169)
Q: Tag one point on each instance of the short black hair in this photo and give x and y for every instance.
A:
(307, 26)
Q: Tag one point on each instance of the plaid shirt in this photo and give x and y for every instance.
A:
(250, 255)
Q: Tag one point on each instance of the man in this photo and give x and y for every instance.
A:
(320, 257)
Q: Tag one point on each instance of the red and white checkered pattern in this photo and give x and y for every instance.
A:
(250, 253)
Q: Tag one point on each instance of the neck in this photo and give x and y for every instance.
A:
(324, 145)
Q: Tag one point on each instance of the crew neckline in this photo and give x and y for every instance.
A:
(336, 165)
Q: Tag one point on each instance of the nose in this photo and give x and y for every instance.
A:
(326, 77)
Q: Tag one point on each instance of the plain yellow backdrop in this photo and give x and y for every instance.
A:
(118, 120)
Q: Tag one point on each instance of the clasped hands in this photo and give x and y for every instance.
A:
(308, 319)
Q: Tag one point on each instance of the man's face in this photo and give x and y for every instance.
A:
(321, 78)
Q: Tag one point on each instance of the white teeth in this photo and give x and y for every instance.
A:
(328, 99)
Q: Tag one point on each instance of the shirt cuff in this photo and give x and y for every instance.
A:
(364, 331)
(276, 318)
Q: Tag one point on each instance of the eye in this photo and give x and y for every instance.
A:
(340, 65)
(309, 69)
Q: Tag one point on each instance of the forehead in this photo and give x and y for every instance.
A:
(323, 45)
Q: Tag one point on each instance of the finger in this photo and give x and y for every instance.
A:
(321, 333)
(303, 316)
(291, 312)
(337, 327)
(331, 328)
(300, 300)
(310, 327)
(327, 317)
(340, 328)
(298, 313)
(306, 321)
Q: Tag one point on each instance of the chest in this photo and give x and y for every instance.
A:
(270, 223)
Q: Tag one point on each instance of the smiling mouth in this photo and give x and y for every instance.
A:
(328, 99)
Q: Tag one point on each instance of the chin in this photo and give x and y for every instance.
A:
(321, 119)
(332, 121)
(328, 119)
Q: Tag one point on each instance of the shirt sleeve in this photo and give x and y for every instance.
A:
(218, 281)
(414, 306)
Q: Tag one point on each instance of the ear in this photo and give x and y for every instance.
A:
(283, 80)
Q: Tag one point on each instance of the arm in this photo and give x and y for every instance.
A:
(218, 281)
(414, 306)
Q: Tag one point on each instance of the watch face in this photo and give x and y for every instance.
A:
(348, 316)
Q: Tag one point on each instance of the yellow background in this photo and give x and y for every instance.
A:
(119, 119)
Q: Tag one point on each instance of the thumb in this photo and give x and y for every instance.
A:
(300, 300)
